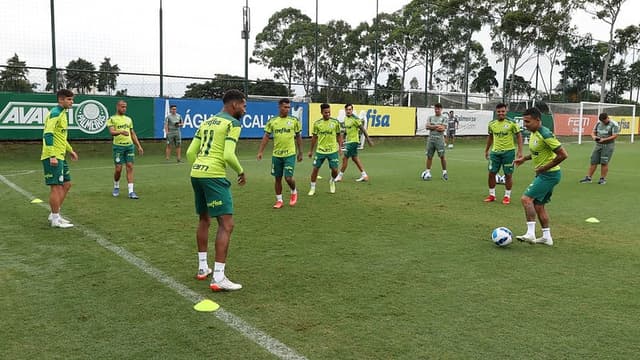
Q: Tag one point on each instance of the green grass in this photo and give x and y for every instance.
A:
(397, 268)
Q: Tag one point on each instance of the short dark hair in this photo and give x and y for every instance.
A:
(64, 93)
(603, 116)
(450, 111)
(347, 105)
(533, 112)
(501, 105)
(172, 106)
(284, 101)
(438, 105)
(232, 95)
(324, 106)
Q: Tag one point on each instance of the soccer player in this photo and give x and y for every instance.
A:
(502, 137)
(124, 137)
(437, 125)
(547, 153)
(604, 134)
(353, 127)
(287, 148)
(54, 148)
(212, 149)
(172, 124)
(326, 134)
(452, 126)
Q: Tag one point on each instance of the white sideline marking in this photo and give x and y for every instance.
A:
(270, 344)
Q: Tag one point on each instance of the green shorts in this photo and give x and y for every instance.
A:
(56, 175)
(283, 165)
(333, 159)
(174, 139)
(541, 189)
(212, 196)
(351, 149)
(602, 153)
(123, 154)
(504, 159)
(435, 145)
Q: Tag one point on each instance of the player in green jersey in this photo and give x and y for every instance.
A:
(211, 150)
(547, 153)
(604, 134)
(353, 127)
(437, 125)
(124, 137)
(327, 135)
(287, 148)
(54, 148)
(502, 137)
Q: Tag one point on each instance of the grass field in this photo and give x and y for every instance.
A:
(396, 268)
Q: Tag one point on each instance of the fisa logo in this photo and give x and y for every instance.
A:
(89, 116)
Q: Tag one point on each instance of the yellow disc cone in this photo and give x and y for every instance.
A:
(206, 306)
(36, 201)
(592, 220)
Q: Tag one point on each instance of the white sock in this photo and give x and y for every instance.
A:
(444, 172)
(130, 187)
(202, 260)
(116, 184)
(531, 228)
(428, 171)
(492, 192)
(507, 193)
(546, 233)
(55, 216)
(313, 185)
(218, 271)
(340, 174)
(294, 191)
(364, 173)
(279, 197)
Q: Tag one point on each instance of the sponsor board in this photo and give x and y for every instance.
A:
(569, 124)
(378, 120)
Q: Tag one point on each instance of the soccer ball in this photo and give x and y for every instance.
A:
(500, 179)
(501, 236)
(425, 176)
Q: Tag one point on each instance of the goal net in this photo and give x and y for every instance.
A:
(579, 119)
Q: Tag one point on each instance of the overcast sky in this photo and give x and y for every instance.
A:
(201, 37)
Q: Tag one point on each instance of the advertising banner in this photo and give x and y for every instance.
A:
(195, 111)
(22, 115)
(379, 120)
(470, 122)
(626, 123)
(569, 124)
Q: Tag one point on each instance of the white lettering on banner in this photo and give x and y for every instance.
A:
(89, 116)
(255, 120)
(471, 122)
(194, 121)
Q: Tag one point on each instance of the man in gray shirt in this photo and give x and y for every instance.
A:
(437, 125)
(172, 125)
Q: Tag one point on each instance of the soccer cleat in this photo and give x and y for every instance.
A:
(61, 219)
(338, 178)
(203, 273)
(59, 224)
(543, 241)
(332, 186)
(602, 181)
(133, 195)
(363, 178)
(527, 238)
(278, 204)
(115, 192)
(450, 146)
(506, 200)
(293, 200)
(490, 198)
(180, 160)
(224, 285)
(586, 180)
(445, 177)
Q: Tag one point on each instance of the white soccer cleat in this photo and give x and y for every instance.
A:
(338, 178)
(224, 285)
(332, 186)
(548, 242)
(527, 238)
(363, 178)
(62, 220)
(59, 224)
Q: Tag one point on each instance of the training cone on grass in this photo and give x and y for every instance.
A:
(592, 220)
(36, 201)
(206, 306)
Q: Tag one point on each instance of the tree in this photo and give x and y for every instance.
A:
(460, 64)
(337, 53)
(628, 38)
(581, 67)
(607, 11)
(61, 81)
(367, 40)
(215, 88)
(403, 42)
(14, 76)
(268, 87)
(519, 86)
(486, 81)
(81, 75)
(107, 78)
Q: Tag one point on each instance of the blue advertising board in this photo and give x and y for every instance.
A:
(195, 111)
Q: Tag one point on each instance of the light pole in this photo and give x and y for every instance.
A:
(315, 54)
(246, 28)
(375, 63)
(161, 52)
(53, 48)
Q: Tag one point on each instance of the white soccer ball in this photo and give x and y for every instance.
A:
(425, 176)
(500, 179)
(501, 236)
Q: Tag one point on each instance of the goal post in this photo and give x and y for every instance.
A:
(616, 112)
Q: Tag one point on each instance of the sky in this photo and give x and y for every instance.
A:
(201, 37)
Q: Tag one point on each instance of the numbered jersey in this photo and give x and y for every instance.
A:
(213, 135)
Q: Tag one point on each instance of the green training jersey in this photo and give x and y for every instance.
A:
(542, 145)
(172, 122)
(54, 136)
(352, 126)
(503, 133)
(284, 131)
(212, 137)
(437, 120)
(603, 130)
(326, 131)
(121, 122)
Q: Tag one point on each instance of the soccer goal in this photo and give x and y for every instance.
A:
(623, 114)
